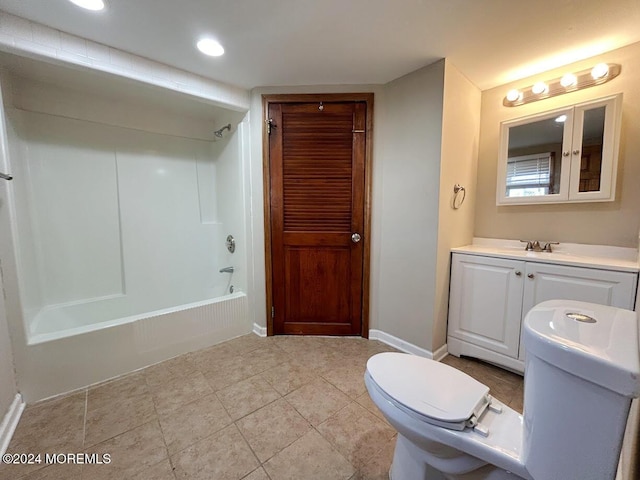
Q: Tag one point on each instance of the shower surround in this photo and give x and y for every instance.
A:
(121, 203)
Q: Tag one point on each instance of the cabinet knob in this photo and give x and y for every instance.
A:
(576, 152)
(566, 154)
(531, 275)
(518, 273)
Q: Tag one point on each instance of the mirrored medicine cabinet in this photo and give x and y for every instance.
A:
(564, 155)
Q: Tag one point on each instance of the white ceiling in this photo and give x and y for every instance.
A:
(316, 42)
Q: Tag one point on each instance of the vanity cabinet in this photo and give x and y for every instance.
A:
(489, 298)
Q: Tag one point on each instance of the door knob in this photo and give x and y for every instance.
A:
(355, 238)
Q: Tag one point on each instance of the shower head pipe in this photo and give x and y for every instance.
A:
(218, 133)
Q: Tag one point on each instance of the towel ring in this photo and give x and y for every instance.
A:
(457, 188)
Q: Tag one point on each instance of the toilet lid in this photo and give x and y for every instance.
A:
(427, 387)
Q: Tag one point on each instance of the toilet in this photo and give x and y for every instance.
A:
(582, 369)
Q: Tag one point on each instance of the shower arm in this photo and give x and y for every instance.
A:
(218, 133)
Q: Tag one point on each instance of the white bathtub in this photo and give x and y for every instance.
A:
(72, 358)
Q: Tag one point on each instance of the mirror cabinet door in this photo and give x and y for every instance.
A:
(595, 150)
(535, 158)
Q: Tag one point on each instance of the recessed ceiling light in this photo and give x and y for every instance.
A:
(94, 5)
(210, 47)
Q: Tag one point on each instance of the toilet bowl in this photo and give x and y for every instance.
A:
(581, 372)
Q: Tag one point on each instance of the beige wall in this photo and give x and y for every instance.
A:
(408, 205)
(458, 164)
(607, 223)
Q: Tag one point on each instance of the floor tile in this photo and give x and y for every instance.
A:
(185, 407)
(222, 456)
(272, 428)
(179, 391)
(53, 426)
(161, 373)
(107, 422)
(159, 471)
(118, 390)
(257, 474)
(55, 472)
(310, 458)
(366, 402)
(193, 422)
(288, 376)
(347, 376)
(317, 401)
(247, 396)
(130, 453)
(378, 466)
(356, 433)
(228, 372)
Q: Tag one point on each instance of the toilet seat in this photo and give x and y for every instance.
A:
(435, 392)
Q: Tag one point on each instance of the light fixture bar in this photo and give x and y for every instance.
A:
(601, 73)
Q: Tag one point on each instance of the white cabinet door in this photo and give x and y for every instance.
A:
(559, 282)
(485, 302)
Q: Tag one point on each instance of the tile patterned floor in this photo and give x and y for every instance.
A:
(251, 408)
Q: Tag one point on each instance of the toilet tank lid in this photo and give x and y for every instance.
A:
(427, 387)
(598, 343)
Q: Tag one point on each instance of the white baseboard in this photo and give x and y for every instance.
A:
(10, 422)
(260, 331)
(407, 347)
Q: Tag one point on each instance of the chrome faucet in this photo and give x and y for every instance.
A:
(226, 270)
(532, 245)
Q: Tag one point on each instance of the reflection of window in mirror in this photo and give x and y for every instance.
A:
(592, 139)
(534, 158)
(531, 175)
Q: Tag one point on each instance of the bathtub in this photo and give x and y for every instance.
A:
(71, 358)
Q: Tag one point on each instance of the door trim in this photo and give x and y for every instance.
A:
(367, 98)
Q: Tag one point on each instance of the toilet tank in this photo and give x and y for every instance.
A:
(582, 370)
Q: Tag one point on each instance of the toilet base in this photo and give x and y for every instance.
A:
(410, 463)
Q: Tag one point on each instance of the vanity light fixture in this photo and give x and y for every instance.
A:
(94, 5)
(570, 82)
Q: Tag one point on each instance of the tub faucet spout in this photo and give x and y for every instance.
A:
(226, 270)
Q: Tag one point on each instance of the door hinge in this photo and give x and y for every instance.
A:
(273, 312)
(270, 125)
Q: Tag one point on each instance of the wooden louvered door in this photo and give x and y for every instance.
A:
(317, 196)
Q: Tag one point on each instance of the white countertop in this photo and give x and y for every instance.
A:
(574, 254)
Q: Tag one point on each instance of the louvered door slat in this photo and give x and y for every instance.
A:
(317, 171)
